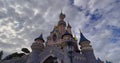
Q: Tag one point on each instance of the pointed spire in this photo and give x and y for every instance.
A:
(61, 19)
(61, 16)
(40, 38)
(99, 60)
(61, 11)
(82, 37)
(69, 26)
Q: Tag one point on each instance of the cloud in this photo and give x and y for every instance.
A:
(23, 20)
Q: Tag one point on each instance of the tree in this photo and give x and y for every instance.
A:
(13, 55)
(25, 50)
(1, 54)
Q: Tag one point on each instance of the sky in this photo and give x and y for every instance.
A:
(21, 21)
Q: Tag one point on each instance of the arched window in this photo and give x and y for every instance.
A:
(51, 59)
(54, 37)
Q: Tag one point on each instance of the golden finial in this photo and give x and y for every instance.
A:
(75, 37)
(56, 27)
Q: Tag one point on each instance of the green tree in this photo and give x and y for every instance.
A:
(1, 54)
(13, 55)
(25, 50)
(16, 54)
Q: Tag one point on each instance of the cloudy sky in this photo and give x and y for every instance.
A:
(23, 20)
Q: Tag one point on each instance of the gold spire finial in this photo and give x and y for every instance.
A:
(75, 37)
(55, 27)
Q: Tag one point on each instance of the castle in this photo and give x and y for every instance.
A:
(60, 47)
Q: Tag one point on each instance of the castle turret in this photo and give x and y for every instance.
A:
(39, 39)
(87, 49)
(68, 39)
(61, 23)
(69, 28)
(69, 46)
(37, 48)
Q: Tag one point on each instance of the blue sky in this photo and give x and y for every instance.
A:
(23, 20)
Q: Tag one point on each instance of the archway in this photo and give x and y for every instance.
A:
(51, 53)
(51, 59)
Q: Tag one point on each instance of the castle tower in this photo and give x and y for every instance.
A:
(37, 47)
(61, 23)
(60, 47)
(100, 61)
(68, 40)
(69, 28)
(57, 32)
(87, 49)
(69, 46)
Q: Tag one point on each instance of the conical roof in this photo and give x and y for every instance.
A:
(99, 60)
(82, 38)
(61, 16)
(40, 38)
(69, 26)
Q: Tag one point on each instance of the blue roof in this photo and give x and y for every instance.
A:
(82, 38)
(99, 60)
(69, 26)
(40, 38)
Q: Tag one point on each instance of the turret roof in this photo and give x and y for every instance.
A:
(69, 26)
(61, 16)
(40, 38)
(82, 38)
(99, 60)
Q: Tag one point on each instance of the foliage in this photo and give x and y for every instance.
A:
(25, 50)
(13, 55)
(1, 54)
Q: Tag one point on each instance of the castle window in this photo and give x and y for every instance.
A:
(51, 60)
(54, 37)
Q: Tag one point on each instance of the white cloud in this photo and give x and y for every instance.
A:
(23, 20)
